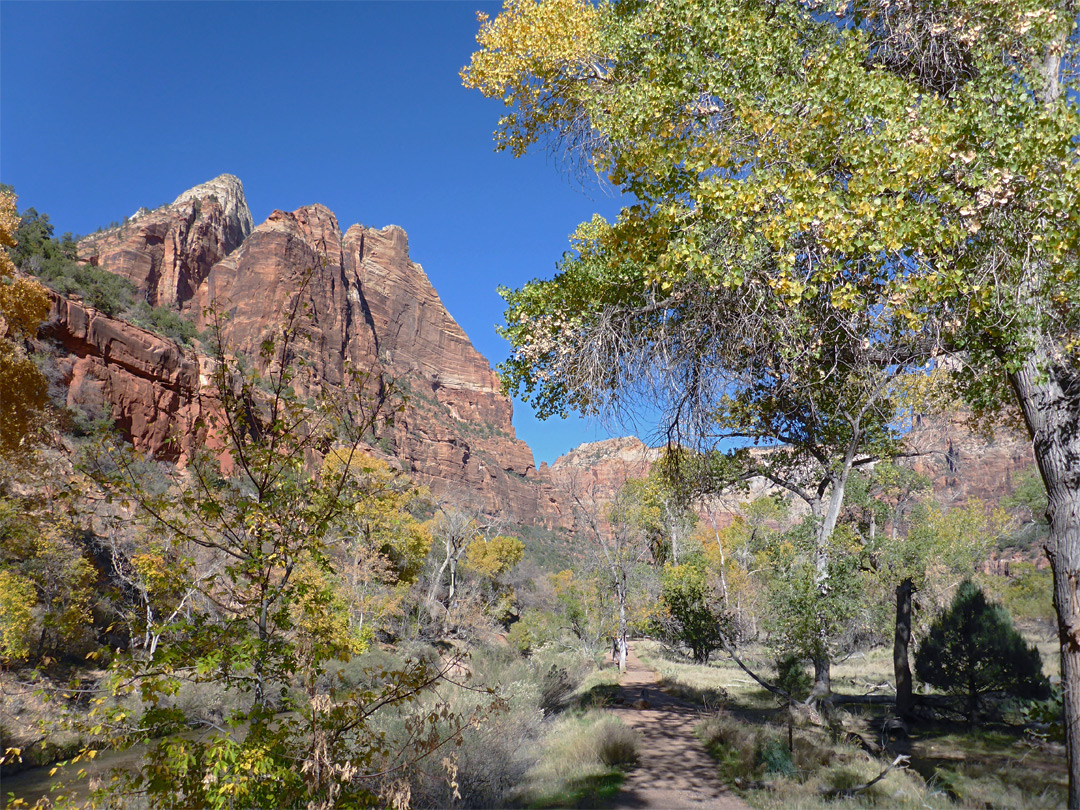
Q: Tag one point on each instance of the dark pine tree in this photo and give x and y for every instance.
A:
(973, 649)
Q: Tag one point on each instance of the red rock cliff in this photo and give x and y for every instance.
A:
(367, 305)
(166, 253)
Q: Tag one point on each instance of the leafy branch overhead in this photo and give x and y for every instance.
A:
(830, 199)
(824, 169)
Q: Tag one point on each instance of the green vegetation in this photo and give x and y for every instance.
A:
(827, 201)
(844, 215)
(581, 763)
(972, 648)
(691, 614)
(55, 262)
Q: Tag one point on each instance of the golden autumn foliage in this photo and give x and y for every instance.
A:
(16, 616)
(560, 40)
(24, 304)
(495, 557)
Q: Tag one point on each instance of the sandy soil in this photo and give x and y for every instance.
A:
(675, 772)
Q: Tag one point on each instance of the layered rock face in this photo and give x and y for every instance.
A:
(597, 470)
(366, 306)
(151, 387)
(963, 465)
(168, 252)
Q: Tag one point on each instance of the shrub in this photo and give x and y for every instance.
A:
(1029, 593)
(972, 649)
(774, 757)
(693, 615)
(166, 322)
(556, 687)
(616, 744)
(792, 676)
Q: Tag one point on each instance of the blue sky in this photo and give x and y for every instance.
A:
(106, 107)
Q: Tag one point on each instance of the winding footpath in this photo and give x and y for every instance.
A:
(674, 772)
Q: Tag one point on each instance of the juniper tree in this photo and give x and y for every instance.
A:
(973, 649)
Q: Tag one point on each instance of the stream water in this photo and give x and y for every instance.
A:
(35, 783)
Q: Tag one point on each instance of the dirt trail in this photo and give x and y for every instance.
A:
(674, 772)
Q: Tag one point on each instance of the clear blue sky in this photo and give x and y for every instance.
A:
(106, 107)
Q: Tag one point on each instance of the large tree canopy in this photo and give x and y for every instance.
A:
(872, 170)
(828, 194)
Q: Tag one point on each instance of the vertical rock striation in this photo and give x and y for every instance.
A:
(369, 307)
(168, 252)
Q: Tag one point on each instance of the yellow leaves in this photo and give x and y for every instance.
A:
(9, 220)
(540, 58)
(24, 304)
(531, 38)
(23, 392)
(17, 600)
(492, 558)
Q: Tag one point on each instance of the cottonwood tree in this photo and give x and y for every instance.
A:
(613, 532)
(917, 160)
(454, 529)
(692, 612)
(24, 304)
(583, 601)
(381, 546)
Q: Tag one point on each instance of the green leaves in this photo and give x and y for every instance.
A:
(769, 145)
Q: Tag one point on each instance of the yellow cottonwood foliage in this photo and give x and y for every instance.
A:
(559, 40)
(24, 304)
(380, 515)
(17, 599)
(494, 557)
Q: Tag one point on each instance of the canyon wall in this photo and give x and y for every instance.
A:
(368, 309)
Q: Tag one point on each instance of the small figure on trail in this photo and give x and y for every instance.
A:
(614, 650)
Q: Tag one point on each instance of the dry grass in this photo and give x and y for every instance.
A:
(982, 770)
(950, 765)
(580, 762)
(722, 677)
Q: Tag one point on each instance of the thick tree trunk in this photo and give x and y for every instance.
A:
(1049, 396)
(901, 640)
(822, 678)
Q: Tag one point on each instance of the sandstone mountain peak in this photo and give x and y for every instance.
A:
(229, 192)
(369, 307)
(168, 252)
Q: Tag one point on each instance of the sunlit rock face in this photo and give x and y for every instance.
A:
(365, 306)
(168, 252)
(153, 389)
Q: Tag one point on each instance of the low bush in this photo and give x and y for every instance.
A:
(773, 757)
(616, 743)
(579, 762)
(792, 676)
(556, 687)
(166, 322)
